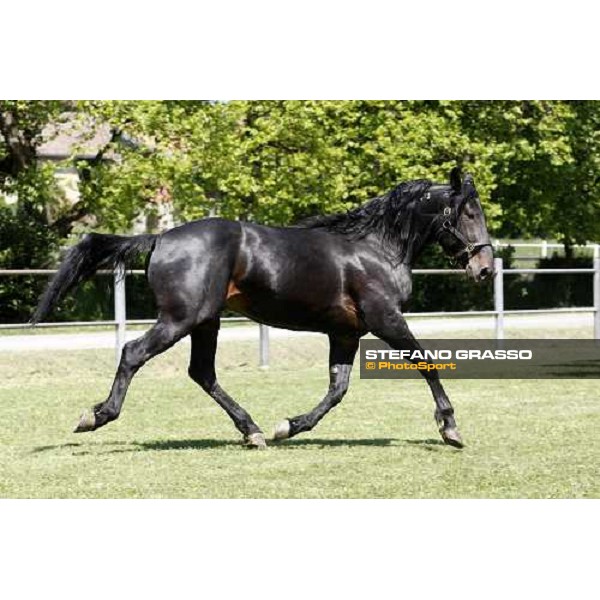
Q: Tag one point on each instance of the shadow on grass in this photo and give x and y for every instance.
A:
(207, 444)
(181, 445)
(54, 447)
(38, 449)
(81, 449)
(429, 444)
(295, 443)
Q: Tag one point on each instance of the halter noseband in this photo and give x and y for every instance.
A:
(470, 248)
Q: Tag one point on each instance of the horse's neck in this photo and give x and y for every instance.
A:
(421, 238)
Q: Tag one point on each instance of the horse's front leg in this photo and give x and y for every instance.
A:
(393, 329)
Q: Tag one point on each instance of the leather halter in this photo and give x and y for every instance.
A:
(470, 249)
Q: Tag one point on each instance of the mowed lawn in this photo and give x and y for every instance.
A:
(534, 439)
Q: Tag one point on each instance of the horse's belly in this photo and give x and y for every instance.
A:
(340, 315)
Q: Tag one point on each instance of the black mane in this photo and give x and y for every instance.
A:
(391, 217)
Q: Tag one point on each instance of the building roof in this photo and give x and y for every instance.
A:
(75, 138)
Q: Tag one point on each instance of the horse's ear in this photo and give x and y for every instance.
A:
(455, 182)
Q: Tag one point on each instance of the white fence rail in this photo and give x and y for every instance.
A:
(544, 246)
(120, 321)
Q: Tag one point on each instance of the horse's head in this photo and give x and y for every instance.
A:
(460, 225)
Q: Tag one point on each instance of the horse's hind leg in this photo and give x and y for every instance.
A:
(342, 351)
(202, 371)
(135, 353)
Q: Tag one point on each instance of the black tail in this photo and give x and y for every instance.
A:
(83, 260)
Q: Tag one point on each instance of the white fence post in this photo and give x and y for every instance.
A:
(544, 249)
(499, 297)
(120, 314)
(264, 346)
(596, 296)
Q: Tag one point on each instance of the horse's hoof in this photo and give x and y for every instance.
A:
(282, 430)
(255, 440)
(87, 422)
(452, 437)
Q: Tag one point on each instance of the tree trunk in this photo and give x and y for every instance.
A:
(21, 151)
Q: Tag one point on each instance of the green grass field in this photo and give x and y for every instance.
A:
(535, 439)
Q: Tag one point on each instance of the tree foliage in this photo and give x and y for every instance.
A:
(536, 163)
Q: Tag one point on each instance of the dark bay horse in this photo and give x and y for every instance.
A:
(344, 275)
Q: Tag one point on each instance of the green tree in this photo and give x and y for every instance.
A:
(544, 158)
(535, 162)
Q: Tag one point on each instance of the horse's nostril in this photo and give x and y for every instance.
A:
(484, 272)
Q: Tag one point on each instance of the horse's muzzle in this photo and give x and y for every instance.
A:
(481, 266)
(484, 273)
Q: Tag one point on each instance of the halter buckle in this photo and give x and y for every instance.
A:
(447, 211)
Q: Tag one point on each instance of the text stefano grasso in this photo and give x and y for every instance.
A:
(470, 354)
